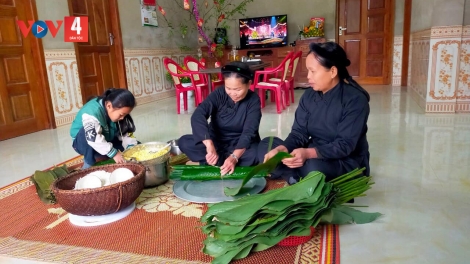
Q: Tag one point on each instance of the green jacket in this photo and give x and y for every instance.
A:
(99, 130)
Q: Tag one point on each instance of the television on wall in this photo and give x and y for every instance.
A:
(263, 32)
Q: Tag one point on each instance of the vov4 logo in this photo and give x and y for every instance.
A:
(75, 28)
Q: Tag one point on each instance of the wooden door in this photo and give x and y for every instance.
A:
(367, 39)
(100, 60)
(25, 105)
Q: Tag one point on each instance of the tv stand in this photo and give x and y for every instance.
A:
(259, 53)
(273, 55)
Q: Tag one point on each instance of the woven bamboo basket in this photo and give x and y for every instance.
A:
(99, 201)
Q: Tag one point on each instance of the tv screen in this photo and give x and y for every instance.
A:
(263, 32)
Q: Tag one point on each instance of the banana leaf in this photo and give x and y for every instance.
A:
(60, 172)
(42, 181)
(105, 162)
(258, 222)
(224, 252)
(340, 215)
(298, 221)
(208, 173)
(46, 196)
(229, 232)
(311, 204)
(244, 253)
(219, 248)
(266, 167)
(217, 208)
(272, 209)
(279, 205)
(303, 190)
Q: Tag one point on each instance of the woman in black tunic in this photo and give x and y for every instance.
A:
(232, 137)
(330, 125)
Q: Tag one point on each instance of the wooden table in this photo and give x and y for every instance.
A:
(253, 67)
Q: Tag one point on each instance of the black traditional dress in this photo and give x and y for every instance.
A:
(335, 124)
(232, 126)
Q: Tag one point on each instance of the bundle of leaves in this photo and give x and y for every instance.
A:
(258, 222)
(43, 180)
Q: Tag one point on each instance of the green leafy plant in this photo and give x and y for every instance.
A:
(169, 78)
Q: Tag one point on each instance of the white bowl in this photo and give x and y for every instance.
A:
(103, 175)
(88, 182)
(120, 175)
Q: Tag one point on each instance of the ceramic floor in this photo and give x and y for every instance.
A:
(420, 164)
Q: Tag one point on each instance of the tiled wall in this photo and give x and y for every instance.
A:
(397, 57)
(145, 79)
(444, 69)
(146, 74)
(463, 88)
(64, 84)
(440, 69)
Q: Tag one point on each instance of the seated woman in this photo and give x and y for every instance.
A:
(330, 125)
(103, 127)
(231, 138)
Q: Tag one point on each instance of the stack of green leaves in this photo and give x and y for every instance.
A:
(43, 180)
(258, 222)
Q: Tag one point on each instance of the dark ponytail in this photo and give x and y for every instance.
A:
(331, 54)
(118, 98)
(127, 125)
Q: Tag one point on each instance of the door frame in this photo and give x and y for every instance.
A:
(119, 47)
(389, 46)
(406, 42)
(40, 60)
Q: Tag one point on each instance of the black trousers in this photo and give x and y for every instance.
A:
(196, 151)
(332, 168)
(81, 146)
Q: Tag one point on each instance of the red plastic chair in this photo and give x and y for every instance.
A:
(275, 77)
(290, 77)
(194, 65)
(177, 72)
(277, 88)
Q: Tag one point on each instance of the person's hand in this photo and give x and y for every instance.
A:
(273, 152)
(211, 156)
(228, 167)
(270, 154)
(118, 158)
(300, 155)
